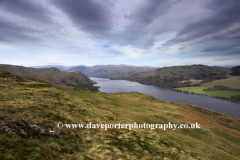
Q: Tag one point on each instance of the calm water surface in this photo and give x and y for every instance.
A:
(223, 106)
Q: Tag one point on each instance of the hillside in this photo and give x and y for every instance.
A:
(116, 72)
(29, 112)
(52, 76)
(181, 76)
(84, 69)
(170, 77)
(228, 89)
(197, 79)
(111, 71)
(235, 71)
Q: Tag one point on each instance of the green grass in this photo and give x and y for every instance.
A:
(227, 94)
(45, 106)
(231, 82)
(198, 89)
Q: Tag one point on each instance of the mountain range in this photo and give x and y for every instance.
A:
(171, 77)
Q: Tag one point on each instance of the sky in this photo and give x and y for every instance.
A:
(140, 32)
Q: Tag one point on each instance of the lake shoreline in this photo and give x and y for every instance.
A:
(163, 93)
(186, 92)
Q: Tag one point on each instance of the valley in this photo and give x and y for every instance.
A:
(44, 105)
(187, 79)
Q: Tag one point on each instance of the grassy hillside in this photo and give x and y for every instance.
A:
(230, 88)
(44, 106)
(182, 76)
(52, 76)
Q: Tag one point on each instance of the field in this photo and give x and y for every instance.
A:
(43, 105)
(232, 82)
(227, 94)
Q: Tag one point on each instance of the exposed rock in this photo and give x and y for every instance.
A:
(23, 128)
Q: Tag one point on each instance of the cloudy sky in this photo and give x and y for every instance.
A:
(139, 32)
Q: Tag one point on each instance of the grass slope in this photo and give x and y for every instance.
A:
(41, 104)
(232, 82)
(182, 76)
(52, 76)
(227, 94)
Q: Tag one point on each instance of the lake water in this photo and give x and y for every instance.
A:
(219, 105)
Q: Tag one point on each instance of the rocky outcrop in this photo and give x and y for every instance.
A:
(23, 128)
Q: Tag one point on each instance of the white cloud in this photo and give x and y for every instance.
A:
(6, 47)
(134, 36)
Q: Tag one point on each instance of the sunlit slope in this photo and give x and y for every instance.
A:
(38, 103)
(226, 88)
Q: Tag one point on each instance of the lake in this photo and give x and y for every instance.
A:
(219, 105)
